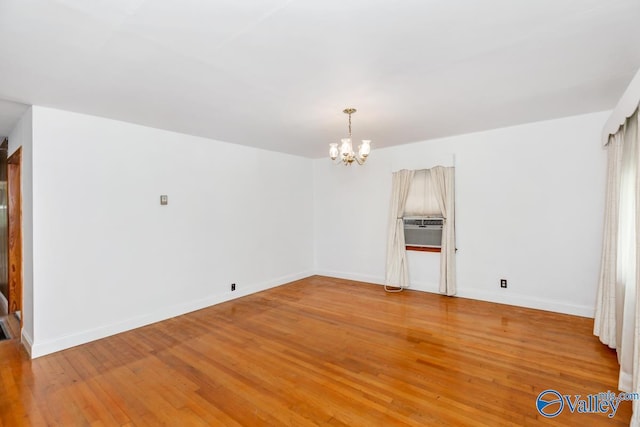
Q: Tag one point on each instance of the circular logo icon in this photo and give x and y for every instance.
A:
(549, 403)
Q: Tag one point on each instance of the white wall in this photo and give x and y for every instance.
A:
(529, 200)
(102, 256)
(107, 257)
(22, 136)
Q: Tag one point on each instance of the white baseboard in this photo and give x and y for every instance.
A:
(351, 276)
(27, 342)
(509, 299)
(38, 349)
(414, 286)
(528, 302)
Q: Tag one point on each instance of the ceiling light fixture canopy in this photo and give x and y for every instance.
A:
(345, 153)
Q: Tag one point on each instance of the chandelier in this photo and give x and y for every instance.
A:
(345, 153)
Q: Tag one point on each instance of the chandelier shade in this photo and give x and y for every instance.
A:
(344, 153)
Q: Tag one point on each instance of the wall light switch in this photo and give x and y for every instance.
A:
(164, 199)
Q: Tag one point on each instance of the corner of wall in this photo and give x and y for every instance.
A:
(314, 207)
(22, 136)
(27, 342)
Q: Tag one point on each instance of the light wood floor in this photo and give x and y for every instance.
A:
(319, 351)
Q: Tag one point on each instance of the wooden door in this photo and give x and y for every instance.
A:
(14, 208)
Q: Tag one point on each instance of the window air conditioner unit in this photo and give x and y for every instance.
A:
(425, 232)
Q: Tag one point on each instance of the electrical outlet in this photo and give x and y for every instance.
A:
(503, 283)
(233, 286)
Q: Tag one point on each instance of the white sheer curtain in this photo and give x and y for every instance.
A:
(608, 304)
(397, 274)
(617, 321)
(626, 282)
(442, 180)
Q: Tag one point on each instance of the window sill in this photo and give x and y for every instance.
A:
(421, 249)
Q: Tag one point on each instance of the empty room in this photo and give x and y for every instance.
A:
(305, 212)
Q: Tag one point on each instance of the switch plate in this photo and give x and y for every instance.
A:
(164, 199)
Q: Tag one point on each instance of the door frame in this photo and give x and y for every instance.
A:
(14, 216)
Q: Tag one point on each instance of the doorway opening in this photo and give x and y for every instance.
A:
(14, 232)
(4, 231)
(10, 243)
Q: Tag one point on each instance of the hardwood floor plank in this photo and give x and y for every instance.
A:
(319, 351)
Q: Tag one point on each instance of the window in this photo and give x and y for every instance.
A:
(422, 216)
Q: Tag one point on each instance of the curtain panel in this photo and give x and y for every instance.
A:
(605, 316)
(617, 314)
(397, 273)
(442, 180)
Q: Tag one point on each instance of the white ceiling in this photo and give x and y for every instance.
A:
(277, 74)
